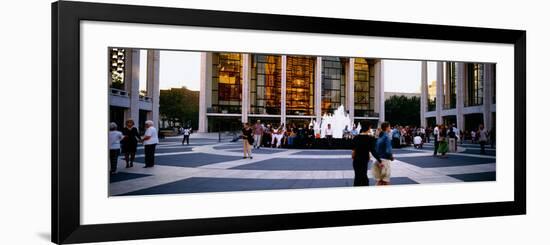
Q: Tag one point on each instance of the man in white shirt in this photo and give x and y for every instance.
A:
(436, 139)
(186, 132)
(328, 135)
(150, 141)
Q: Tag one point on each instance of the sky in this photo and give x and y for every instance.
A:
(179, 68)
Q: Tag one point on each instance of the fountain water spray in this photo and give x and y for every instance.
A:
(338, 122)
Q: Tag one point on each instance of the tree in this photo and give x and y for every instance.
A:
(402, 110)
(179, 105)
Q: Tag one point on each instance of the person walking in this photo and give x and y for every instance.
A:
(436, 139)
(186, 133)
(483, 135)
(247, 140)
(328, 135)
(382, 169)
(114, 146)
(363, 146)
(150, 141)
(130, 142)
(443, 146)
(258, 132)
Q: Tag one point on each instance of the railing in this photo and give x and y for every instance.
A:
(119, 92)
(145, 98)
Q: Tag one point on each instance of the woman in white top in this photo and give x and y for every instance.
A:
(114, 146)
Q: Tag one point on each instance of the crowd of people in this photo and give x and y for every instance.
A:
(127, 143)
(445, 138)
(292, 136)
(364, 143)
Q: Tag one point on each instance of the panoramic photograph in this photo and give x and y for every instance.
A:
(201, 122)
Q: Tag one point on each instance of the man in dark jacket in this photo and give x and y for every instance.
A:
(363, 146)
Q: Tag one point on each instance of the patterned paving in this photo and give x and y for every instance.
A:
(207, 165)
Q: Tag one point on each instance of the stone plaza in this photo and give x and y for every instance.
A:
(212, 165)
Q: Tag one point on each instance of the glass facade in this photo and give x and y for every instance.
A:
(333, 85)
(450, 86)
(300, 72)
(226, 82)
(474, 85)
(265, 84)
(364, 87)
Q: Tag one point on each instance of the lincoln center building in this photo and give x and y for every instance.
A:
(463, 93)
(288, 89)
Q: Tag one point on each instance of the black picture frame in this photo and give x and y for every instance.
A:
(66, 18)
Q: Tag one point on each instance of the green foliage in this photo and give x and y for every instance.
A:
(402, 110)
(179, 105)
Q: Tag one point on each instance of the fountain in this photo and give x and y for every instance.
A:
(338, 121)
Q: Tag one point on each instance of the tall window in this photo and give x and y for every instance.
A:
(265, 84)
(450, 86)
(226, 82)
(118, 61)
(143, 72)
(333, 86)
(474, 85)
(364, 87)
(300, 71)
(432, 85)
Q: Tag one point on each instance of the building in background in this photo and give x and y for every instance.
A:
(463, 93)
(237, 88)
(133, 86)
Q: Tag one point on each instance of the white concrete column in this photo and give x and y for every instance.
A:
(439, 93)
(460, 79)
(446, 85)
(317, 87)
(376, 92)
(283, 89)
(153, 88)
(131, 83)
(350, 88)
(379, 97)
(245, 92)
(423, 93)
(488, 76)
(205, 94)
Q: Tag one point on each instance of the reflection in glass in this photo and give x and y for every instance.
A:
(333, 84)
(265, 84)
(226, 82)
(364, 87)
(300, 72)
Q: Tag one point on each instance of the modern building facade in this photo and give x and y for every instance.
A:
(130, 95)
(463, 93)
(237, 88)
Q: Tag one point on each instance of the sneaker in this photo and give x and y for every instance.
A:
(250, 157)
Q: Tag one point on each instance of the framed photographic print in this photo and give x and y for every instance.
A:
(177, 122)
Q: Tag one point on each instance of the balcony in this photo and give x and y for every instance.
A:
(119, 92)
(145, 98)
